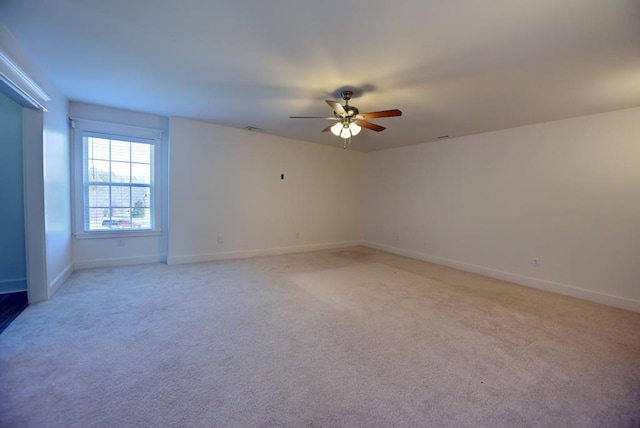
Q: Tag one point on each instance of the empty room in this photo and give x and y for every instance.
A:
(320, 214)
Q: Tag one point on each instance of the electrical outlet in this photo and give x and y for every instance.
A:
(120, 242)
(535, 262)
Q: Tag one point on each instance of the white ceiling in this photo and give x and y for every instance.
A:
(454, 67)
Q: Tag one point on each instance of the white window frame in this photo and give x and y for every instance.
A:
(80, 127)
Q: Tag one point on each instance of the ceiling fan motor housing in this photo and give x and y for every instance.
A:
(351, 111)
(346, 95)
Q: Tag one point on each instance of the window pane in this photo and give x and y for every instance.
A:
(125, 224)
(120, 150)
(120, 213)
(140, 173)
(121, 197)
(140, 196)
(118, 185)
(120, 172)
(140, 152)
(143, 222)
(98, 196)
(97, 148)
(98, 171)
(98, 218)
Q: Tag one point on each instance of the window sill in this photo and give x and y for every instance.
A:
(117, 234)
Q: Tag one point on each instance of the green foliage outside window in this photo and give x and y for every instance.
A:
(138, 210)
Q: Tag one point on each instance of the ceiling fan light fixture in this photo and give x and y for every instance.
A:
(336, 129)
(346, 132)
(346, 129)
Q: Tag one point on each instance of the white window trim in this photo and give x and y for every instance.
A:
(78, 128)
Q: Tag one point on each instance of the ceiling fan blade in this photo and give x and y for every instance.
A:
(314, 117)
(337, 108)
(370, 125)
(328, 128)
(383, 113)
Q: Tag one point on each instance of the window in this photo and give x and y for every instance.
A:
(117, 183)
(116, 177)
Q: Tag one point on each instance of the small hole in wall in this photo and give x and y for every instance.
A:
(281, 176)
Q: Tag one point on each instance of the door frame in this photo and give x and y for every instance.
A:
(33, 181)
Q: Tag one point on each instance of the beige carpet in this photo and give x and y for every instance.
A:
(345, 338)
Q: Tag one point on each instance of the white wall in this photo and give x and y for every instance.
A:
(98, 252)
(566, 192)
(53, 158)
(226, 182)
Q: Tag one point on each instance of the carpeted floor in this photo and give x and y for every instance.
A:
(343, 338)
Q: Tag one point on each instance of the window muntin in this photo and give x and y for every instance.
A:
(118, 183)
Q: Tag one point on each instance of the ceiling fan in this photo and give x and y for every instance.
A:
(349, 119)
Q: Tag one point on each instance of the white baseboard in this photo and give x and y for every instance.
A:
(13, 285)
(196, 258)
(59, 280)
(567, 290)
(124, 261)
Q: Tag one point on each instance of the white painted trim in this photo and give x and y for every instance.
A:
(32, 98)
(196, 258)
(117, 234)
(153, 135)
(118, 129)
(15, 77)
(13, 285)
(60, 279)
(124, 261)
(35, 238)
(555, 287)
(24, 98)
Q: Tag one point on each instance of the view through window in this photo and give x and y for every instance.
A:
(118, 184)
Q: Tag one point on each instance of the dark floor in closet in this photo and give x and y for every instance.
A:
(10, 307)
